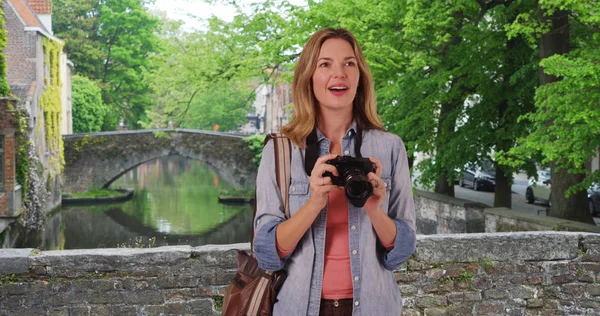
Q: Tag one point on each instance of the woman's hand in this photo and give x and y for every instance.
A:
(374, 202)
(319, 185)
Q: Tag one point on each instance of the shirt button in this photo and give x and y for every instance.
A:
(356, 303)
(356, 278)
(349, 133)
(293, 188)
(347, 152)
(353, 227)
(258, 221)
(354, 252)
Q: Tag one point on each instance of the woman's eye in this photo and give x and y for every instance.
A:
(323, 64)
(350, 63)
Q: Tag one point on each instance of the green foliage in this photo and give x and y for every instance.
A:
(51, 104)
(4, 88)
(95, 193)
(208, 78)
(255, 143)
(566, 119)
(88, 109)
(218, 302)
(139, 242)
(111, 42)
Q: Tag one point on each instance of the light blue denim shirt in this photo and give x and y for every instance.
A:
(375, 291)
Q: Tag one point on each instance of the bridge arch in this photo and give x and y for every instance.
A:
(95, 160)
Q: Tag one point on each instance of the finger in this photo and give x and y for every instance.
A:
(378, 165)
(324, 158)
(318, 171)
(376, 181)
(330, 168)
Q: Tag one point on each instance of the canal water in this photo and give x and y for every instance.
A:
(175, 203)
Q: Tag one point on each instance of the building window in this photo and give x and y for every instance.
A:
(1, 162)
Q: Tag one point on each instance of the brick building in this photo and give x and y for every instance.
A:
(10, 190)
(29, 24)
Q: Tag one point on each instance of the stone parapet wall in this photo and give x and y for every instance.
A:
(534, 273)
(441, 214)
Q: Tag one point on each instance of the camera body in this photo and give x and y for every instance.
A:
(353, 177)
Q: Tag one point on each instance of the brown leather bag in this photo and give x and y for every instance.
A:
(253, 290)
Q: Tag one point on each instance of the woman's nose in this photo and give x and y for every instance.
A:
(338, 72)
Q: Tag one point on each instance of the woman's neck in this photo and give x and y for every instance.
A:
(334, 125)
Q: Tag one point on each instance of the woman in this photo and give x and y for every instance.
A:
(339, 257)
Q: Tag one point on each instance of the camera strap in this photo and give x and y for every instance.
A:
(312, 149)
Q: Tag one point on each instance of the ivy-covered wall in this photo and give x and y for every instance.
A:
(4, 89)
(51, 105)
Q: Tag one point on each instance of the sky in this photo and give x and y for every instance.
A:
(182, 9)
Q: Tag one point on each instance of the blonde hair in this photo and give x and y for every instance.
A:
(304, 100)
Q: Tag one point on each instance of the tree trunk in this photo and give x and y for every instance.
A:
(446, 127)
(443, 187)
(556, 41)
(503, 192)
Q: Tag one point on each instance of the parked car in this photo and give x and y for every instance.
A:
(478, 178)
(539, 190)
(594, 199)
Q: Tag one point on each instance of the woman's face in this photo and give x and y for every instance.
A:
(336, 77)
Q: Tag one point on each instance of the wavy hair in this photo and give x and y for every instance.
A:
(364, 106)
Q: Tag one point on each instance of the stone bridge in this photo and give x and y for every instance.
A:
(95, 160)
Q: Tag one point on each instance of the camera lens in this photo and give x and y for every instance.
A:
(357, 185)
(357, 188)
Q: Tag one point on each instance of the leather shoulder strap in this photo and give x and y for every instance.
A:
(283, 157)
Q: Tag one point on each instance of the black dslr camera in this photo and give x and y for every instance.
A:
(353, 177)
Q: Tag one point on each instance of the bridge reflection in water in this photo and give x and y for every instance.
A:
(175, 203)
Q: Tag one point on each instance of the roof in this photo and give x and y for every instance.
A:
(41, 6)
(26, 13)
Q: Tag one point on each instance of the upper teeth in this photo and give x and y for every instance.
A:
(338, 88)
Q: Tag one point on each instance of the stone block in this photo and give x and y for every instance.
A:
(95, 310)
(460, 310)
(593, 289)
(112, 297)
(535, 303)
(496, 294)
(144, 261)
(153, 310)
(59, 311)
(14, 261)
(202, 306)
(523, 292)
(122, 310)
(435, 312)
(490, 308)
(143, 298)
(408, 290)
(430, 301)
(497, 247)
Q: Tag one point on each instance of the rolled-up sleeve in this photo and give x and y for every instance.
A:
(401, 210)
(269, 212)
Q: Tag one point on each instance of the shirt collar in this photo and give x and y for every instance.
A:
(351, 131)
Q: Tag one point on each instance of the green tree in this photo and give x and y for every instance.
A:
(567, 117)
(88, 109)
(447, 80)
(111, 41)
(208, 77)
(4, 88)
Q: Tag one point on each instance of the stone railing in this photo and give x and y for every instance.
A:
(534, 273)
(441, 214)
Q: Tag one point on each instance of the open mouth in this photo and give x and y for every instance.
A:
(338, 88)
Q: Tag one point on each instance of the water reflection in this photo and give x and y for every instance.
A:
(175, 203)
